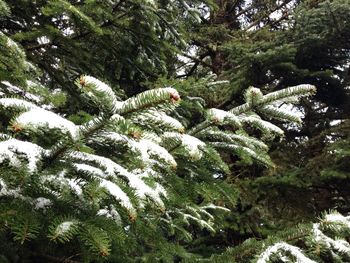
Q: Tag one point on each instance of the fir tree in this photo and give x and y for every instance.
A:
(105, 172)
(324, 241)
(107, 187)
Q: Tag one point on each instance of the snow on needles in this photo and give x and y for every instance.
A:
(339, 245)
(154, 149)
(118, 193)
(338, 219)
(295, 251)
(220, 116)
(100, 88)
(12, 149)
(41, 203)
(112, 169)
(37, 117)
(145, 147)
(17, 104)
(64, 227)
(191, 144)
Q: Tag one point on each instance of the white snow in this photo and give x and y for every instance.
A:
(160, 118)
(107, 165)
(10, 42)
(295, 251)
(221, 116)
(64, 227)
(340, 245)
(265, 125)
(118, 193)
(74, 185)
(113, 169)
(218, 207)
(151, 148)
(193, 145)
(82, 167)
(143, 190)
(287, 109)
(12, 149)
(59, 180)
(101, 87)
(39, 117)
(133, 103)
(337, 218)
(152, 137)
(17, 103)
(41, 203)
(217, 115)
(21, 91)
(335, 122)
(201, 222)
(110, 213)
(114, 136)
(38, 203)
(4, 191)
(120, 138)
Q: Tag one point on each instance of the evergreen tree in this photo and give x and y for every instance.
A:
(130, 182)
(272, 45)
(125, 172)
(325, 241)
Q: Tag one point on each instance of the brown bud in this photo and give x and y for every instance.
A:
(104, 253)
(132, 217)
(135, 134)
(16, 127)
(174, 96)
(82, 81)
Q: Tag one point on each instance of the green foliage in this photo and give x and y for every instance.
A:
(62, 229)
(325, 241)
(13, 64)
(171, 182)
(138, 174)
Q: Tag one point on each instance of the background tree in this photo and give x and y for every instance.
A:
(272, 45)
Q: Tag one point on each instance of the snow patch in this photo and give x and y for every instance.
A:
(41, 203)
(295, 251)
(118, 193)
(12, 150)
(64, 227)
(39, 117)
(17, 104)
(193, 146)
